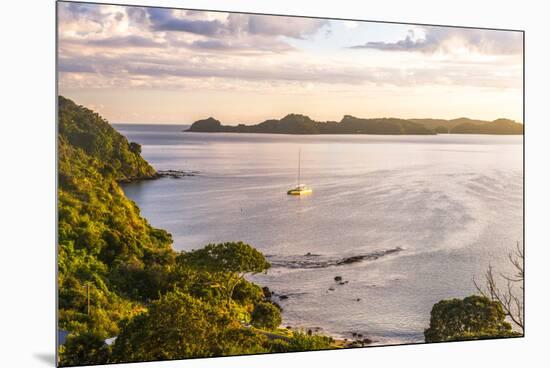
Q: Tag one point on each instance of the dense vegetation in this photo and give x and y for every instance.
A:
(119, 277)
(301, 124)
(474, 317)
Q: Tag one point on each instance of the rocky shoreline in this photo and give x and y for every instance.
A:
(355, 340)
(174, 174)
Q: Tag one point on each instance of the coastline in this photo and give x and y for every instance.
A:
(343, 316)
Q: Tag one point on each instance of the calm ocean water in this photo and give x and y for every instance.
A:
(424, 214)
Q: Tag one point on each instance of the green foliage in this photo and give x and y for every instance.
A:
(266, 315)
(300, 341)
(84, 349)
(179, 326)
(246, 292)
(470, 318)
(230, 257)
(239, 341)
(83, 128)
(197, 283)
(230, 261)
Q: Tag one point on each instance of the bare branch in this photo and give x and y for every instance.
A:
(511, 302)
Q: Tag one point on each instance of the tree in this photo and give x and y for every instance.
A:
(247, 292)
(178, 326)
(233, 259)
(266, 315)
(511, 295)
(473, 317)
(135, 147)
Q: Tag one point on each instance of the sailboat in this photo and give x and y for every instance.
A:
(300, 189)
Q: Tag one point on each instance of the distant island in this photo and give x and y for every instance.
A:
(302, 124)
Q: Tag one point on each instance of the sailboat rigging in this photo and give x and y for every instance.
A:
(299, 189)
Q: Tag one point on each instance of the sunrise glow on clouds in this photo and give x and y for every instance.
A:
(136, 64)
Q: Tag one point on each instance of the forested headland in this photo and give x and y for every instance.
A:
(120, 277)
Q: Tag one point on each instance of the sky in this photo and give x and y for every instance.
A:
(153, 65)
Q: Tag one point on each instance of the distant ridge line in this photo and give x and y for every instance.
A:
(302, 124)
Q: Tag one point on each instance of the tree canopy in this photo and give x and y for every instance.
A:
(176, 326)
(473, 317)
(232, 259)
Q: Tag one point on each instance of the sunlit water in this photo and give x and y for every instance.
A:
(444, 207)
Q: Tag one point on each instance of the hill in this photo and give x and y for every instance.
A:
(471, 126)
(302, 124)
(499, 126)
(85, 129)
(105, 246)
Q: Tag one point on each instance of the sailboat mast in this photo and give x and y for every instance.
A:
(299, 160)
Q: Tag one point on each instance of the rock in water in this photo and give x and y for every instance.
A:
(175, 174)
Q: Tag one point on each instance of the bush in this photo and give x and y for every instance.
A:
(305, 342)
(266, 315)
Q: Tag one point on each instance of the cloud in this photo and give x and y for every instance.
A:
(124, 41)
(164, 20)
(159, 70)
(248, 45)
(235, 24)
(275, 25)
(136, 15)
(74, 12)
(448, 39)
(67, 65)
(164, 48)
(139, 27)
